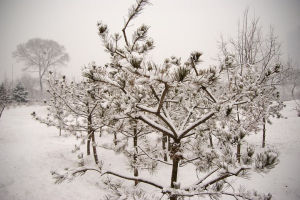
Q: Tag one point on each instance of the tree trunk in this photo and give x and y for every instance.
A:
(264, 133)
(173, 154)
(89, 132)
(88, 144)
(174, 175)
(94, 148)
(238, 152)
(238, 146)
(41, 85)
(115, 139)
(169, 143)
(164, 142)
(135, 155)
(174, 171)
(59, 131)
(40, 78)
(210, 141)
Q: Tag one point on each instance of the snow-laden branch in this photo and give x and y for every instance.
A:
(132, 178)
(226, 175)
(188, 194)
(146, 109)
(109, 82)
(162, 98)
(209, 94)
(196, 123)
(201, 180)
(185, 121)
(71, 174)
(186, 161)
(199, 131)
(167, 120)
(165, 117)
(154, 92)
(133, 12)
(155, 125)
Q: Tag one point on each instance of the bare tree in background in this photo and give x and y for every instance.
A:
(251, 47)
(40, 55)
(294, 81)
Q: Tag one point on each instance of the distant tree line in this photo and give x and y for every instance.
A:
(16, 95)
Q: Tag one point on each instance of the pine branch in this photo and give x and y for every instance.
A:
(59, 178)
(155, 159)
(167, 120)
(209, 94)
(155, 125)
(201, 180)
(135, 11)
(185, 121)
(186, 194)
(161, 101)
(196, 123)
(226, 175)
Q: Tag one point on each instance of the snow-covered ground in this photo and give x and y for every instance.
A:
(29, 151)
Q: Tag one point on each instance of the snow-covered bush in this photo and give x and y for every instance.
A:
(20, 94)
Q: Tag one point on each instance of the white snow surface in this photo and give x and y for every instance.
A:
(30, 150)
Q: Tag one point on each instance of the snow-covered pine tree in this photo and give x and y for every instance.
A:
(80, 109)
(19, 94)
(184, 102)
(4, 98)
(132, 135)
(57, 115)
(140, 151)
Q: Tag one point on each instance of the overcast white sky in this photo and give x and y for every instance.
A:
(177, 26)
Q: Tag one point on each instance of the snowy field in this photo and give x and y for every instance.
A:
(29, 151)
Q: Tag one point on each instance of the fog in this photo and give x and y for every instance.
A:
(177, 27)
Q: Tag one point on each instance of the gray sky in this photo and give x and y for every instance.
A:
(177, 26)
